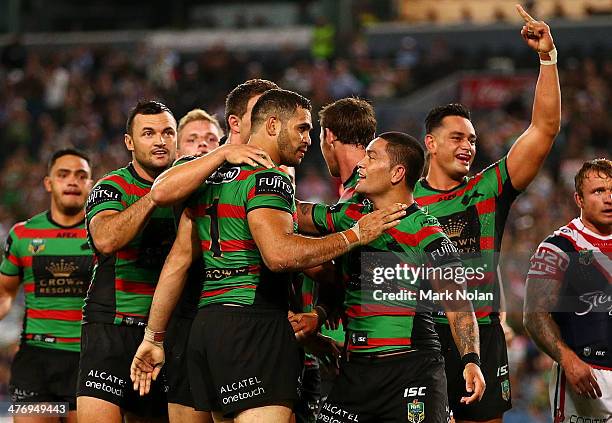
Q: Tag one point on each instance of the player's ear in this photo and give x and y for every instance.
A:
(233, 123)
(330, 137)
(129, 142)
(47, 183)
(579, 200)
(272, 126)
(398, 173)
(430, 143)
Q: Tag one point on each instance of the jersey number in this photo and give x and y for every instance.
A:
(215, 245)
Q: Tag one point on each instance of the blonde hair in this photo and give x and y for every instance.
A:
(198, 114)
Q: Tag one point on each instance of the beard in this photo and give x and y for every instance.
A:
(286, 151)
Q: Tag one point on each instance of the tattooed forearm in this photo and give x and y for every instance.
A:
(465, 332)
(541, 299)
(305, 222)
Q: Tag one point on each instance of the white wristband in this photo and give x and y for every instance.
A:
(553, 58)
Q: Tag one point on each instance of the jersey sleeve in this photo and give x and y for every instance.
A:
(11, 259)
(108, 194)
(336, 218)
(496, 181)
(549, 261)
(270, 189)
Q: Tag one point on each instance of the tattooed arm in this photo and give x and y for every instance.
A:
(464, 328)
(305, 221)
(541, 298)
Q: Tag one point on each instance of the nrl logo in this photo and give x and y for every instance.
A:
(416, 411)
(223, 175)
(36, 246)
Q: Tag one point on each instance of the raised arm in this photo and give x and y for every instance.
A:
(284, 251)
(149, 357)
(530, 150)
(179, 182)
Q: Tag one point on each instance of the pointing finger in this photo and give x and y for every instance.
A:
(526, 16)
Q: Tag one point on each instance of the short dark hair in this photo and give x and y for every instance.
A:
(67, 152)
(282, 103)
(145, 107)
(352, 120)
(598, 166)
(435, 115)
(405, 150)
(237, 100)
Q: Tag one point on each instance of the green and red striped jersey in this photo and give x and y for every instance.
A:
(123, 283)
(54, 264)
(349, 195)
(234, 269)
(473, 215)
(376, 324)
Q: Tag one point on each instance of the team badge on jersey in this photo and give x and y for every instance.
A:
(37, 245)
(585, 257)
(505, 390)
(416, 411)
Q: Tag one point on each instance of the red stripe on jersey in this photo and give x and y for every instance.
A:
(486, 242)
(434, 198)
(68, 339)
(23, 232)
(122, 315)
(355, 211)
(364, 310)
(127, 254)
(306, 299)
(14, 260)
(483, 311)
(499, 179)
(244, 174)
(129, 189)
(223, 210)
(25, 261)
(605, 246)
(69, 315)
(251, 194)
(238, 245)
(486, 206)
(487, 279)
(330, 223)
(133, 287)
(28, 287)
(207, 294)
(413, 239)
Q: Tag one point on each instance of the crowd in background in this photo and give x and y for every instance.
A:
(80, 96)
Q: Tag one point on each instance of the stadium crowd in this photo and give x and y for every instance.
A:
(80, 97)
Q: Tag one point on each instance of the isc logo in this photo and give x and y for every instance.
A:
(414, 391)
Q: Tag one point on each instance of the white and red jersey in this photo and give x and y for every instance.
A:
(581, 261)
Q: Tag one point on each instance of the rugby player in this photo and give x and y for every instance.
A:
(50, 256)
(473, 211)
(567, 302)
(198, 133)
(238, 106)
(347, 127)
(243, 357)
(392, 369)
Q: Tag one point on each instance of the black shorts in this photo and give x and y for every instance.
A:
(176, 361)
(241, 358)
(406, 388)
(307, 407)
(104, 371)
(494, 366)
(44, 375)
